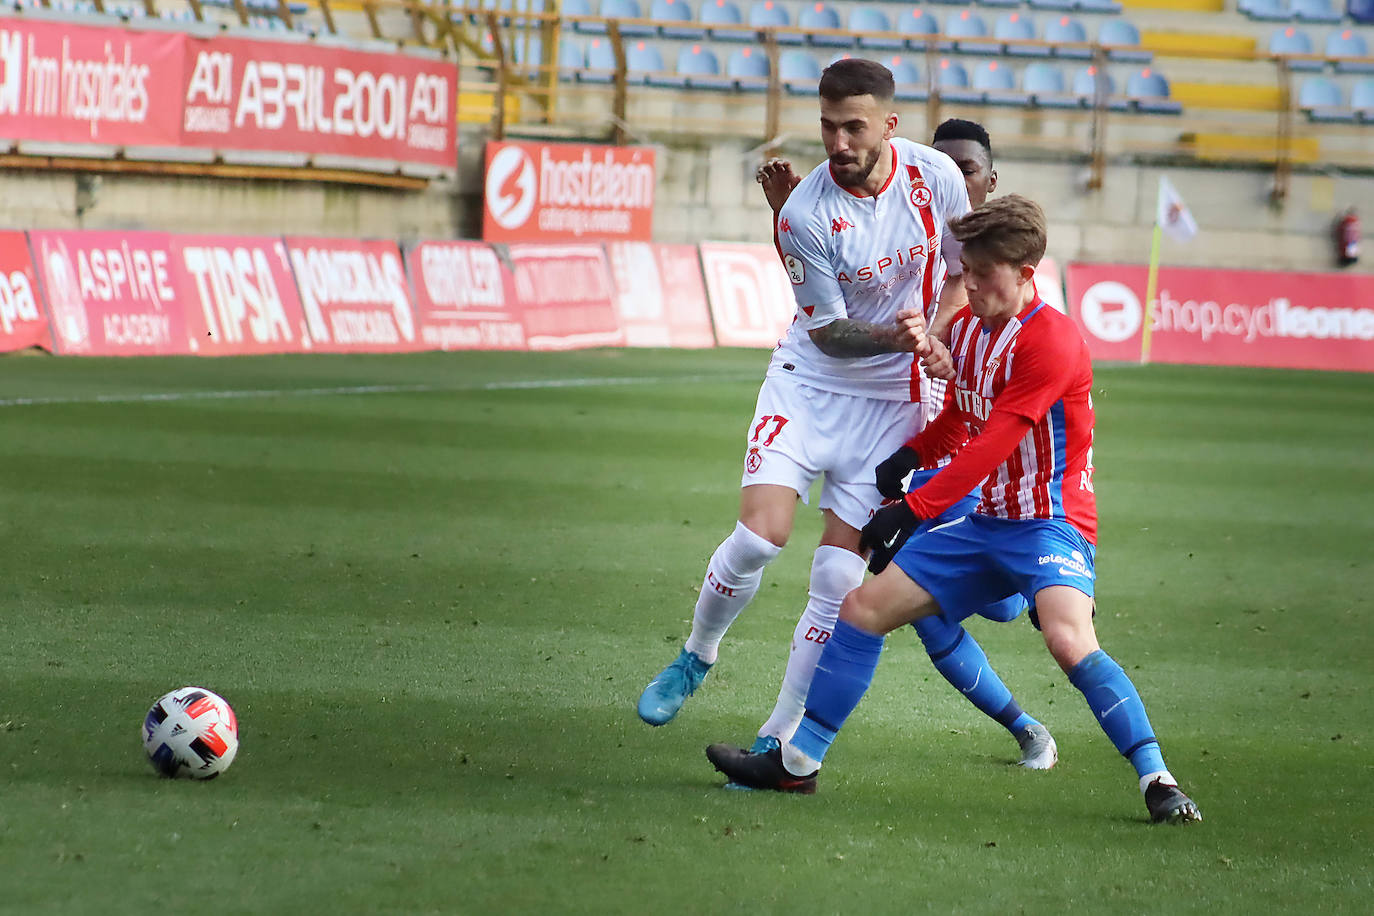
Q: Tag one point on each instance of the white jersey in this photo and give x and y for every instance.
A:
(863, 257)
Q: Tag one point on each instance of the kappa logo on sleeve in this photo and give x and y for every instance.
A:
(796, 269)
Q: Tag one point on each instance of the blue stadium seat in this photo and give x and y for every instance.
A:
(526, 51)
(1007, 4)
(1293, 40)
(910, 79)
(641, 59)
(1362, 98)
(1265, 10)
(1110, 7)
(1362, 11)
(600, 62)
(872, 19)
(1067, 28)
(1148, 91)
(915, 24)
(1017, 26)
(1044, 84)
(582, 8)
(1348, 43)
(997, 83)
(966, 27)
(1085, 85)
(697, 68)
(1321, 100)
(1055, 6)
(1124, 41)
(1315, 11)
(799, 72)
(723, 12)
(765, 13)
(952, 80)
(626, 9)
(820, 15)
(572, 58)
(748, 68)
(675, 11)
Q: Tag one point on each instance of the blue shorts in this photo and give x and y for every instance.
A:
(976, 561)
(1001, 611)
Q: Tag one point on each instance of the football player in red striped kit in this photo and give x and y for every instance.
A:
(1021, 400)
(863, 239)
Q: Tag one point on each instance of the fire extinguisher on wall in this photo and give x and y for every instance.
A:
(1348, 238)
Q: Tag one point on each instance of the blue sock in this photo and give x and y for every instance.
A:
(963, 663)
(1114, 701)
(843, 673)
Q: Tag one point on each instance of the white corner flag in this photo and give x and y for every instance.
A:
(1172, 214)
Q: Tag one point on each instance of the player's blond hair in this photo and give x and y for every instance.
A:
(1008, 229)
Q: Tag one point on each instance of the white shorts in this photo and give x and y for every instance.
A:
(800, 433)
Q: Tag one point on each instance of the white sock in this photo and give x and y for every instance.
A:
(798, 763)
(835, 572)
(732, 578)
(1163, 776)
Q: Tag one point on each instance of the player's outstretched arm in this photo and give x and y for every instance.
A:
(850, 338)
(778, 180)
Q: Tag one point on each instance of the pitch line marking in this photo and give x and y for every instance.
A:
(351, 390)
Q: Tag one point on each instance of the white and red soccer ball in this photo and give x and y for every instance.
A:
(191, 732)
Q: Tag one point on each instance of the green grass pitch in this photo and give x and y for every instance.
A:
(433, 604)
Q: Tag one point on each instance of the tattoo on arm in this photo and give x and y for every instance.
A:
(848, 338)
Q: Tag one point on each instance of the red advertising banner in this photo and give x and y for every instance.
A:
(567, 192)
(464, 297)
(239, 294)
(242, 94)
(70, 83)
(354, 295)
(751, 299)
(659, 295)
(565, 296)
(22, 322)
(1228, 317)
(111, 293)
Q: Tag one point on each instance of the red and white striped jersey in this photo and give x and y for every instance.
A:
(1029, 385)
(866, 257)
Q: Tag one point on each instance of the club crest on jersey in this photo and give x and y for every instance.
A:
(753, 461)
(920, 194)
(784, 225)
(839, 224)
(796, 270)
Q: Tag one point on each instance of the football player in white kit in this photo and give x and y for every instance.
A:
(862, 238)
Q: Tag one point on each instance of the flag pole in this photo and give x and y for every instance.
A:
(1150, 283)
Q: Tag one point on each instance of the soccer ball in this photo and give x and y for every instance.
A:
(191, 732)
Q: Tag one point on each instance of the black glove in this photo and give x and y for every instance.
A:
(882, 555)
(886, 526)
(892, 470)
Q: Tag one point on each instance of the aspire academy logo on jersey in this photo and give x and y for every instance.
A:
(839, 224)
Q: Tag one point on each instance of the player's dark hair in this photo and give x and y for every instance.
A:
(853, 76)
(1008, 230)
(959, 129)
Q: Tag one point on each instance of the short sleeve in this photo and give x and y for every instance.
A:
(802, 248)
(1043, 369)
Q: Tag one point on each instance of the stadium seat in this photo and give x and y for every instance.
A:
(1315, 11)
(916, 24)
(641, 59)
(572, 58)
(1124, 41)
(1362, 98)
(1017, 26)
(527, 53)
(1321, 100)
(697, 68)
(675, 11)
(1055, 6)
(1148, 91)
(910, 79)
(1086, 83)
(723, 12)
(872, 19)
(582, 8)
(1007, 4)
(1293, 40)
(600, 62)
(766, 13)
(1066, 28)
(1044, 85)
(966, 27)
(820, 15)
(1265, 10)
(996, 81)
(626, 9)
(1348, 43)
(748, 68)
(799, 72)
(952, 80)
(1110, 7)
(1362, 11)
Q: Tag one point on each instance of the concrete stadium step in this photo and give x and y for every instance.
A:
(1256, 147)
